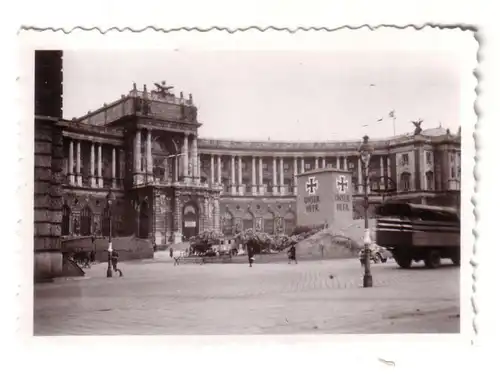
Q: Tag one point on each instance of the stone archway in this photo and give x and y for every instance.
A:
(190, 220)
(248, 220)
(269, 218)
(86, 221)
(227, 223)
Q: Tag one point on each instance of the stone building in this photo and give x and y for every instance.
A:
(171, 184)
(48, 165)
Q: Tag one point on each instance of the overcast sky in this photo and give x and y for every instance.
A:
(284, 95)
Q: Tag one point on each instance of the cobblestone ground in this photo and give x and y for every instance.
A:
(156, 297)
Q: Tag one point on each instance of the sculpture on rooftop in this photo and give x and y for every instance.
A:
(418, 126)
(162, 89)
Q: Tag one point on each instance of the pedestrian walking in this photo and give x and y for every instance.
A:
(250, 251)
(114, 262)
(171, 253)
(291, 254)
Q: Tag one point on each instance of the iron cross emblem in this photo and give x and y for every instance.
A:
(311, 186)
(342, 184)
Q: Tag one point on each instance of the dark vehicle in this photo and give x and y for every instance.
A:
(419, 232)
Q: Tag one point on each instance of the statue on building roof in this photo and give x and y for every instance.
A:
(162, 89)
(418, 126)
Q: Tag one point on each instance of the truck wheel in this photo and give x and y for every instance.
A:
(404, 261)
(433, 260)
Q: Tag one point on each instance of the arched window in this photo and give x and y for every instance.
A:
(66, 216)
(86, 221)
(227, 223)
(405, 181)
(429, 178)
(248, 221)
(269, 222)
(160, 168)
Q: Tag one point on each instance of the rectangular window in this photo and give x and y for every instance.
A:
(307, 166)
(265, 166)
(286, 167)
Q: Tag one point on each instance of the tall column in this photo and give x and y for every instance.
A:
(295, 175)
(216, 214)
(71, 163)
(275, 182)
(389, 173)
(382, 173)
(99, 166)
(78, 164)
(194, 157)
(282, 177)
(176, 164)
(254, 182)
(219, 169)
(337, 161)
(185, 158)
(360, 177)
(302, 165)
(137, 157)
(113, 167)
(345, 163)
(241, 188)
(149, 157)
(233, 179)
(92, 165)
(261, 177)
(316, 162)
(212, 170)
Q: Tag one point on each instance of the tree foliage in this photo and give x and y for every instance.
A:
(206, 239)
(263, 242)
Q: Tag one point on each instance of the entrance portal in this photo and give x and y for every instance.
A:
(190, 221)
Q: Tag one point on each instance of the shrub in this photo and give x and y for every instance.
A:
(307, 230)
(206, 239)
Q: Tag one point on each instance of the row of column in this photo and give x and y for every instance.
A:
(186, 164)
(258, 187)
(382, 173)
(95, 180)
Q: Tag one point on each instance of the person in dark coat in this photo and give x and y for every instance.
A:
(250, 251)
(291, 254)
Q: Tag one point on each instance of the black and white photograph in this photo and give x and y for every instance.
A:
(249, 188)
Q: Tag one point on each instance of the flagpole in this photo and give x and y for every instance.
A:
(394, 125)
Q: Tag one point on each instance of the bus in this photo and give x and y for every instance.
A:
(414, 232)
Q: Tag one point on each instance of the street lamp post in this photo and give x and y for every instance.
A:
(365, 152)
(109, 200)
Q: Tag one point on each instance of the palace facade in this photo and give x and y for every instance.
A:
(170, 184)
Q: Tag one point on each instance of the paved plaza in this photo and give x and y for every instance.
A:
(156, 297)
